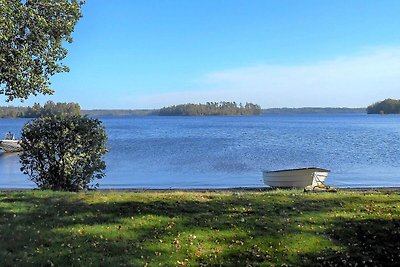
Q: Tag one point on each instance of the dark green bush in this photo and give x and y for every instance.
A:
(63, 152)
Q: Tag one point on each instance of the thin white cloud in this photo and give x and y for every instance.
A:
(351, 81)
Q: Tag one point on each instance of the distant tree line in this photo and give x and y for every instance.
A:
(49, 108)
(307, 110)
(119, 112)
(12, 112)
(211, 108)
(387, 106)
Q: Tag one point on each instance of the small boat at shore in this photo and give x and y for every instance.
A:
(9, 144)
(296, 178)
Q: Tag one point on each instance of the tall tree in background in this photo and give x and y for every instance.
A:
(32, 33)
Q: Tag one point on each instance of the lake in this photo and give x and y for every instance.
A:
(216, 152)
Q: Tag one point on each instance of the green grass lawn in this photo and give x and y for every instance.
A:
(199, 229)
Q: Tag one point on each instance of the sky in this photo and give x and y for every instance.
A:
(285, 53)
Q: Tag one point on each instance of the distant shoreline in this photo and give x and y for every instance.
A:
(154, 112)
(265, 111)
(317, 110)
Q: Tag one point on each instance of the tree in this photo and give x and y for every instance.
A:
(63, 152)
(32, 33)
(211, 108)
(50, 108)
(387, 106)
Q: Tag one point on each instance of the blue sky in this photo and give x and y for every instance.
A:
(286, 53)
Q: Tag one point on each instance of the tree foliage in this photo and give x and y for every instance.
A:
(211, 108)
(32, 33)
(63, 152)
(12, 112)
(387, 106)
(49, 108)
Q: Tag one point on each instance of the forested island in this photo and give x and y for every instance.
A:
(387, 106)
(211, 109)
(38, 111)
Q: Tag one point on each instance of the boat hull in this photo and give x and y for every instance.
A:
(10, 145)
(295, 178)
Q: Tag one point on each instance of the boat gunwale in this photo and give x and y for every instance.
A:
(299, 169)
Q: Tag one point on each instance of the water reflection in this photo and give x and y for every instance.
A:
(5, 155)
(10, 174)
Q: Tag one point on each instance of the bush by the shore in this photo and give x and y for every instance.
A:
(63, 152)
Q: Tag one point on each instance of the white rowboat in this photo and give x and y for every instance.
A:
(295, 178)
(10, 145)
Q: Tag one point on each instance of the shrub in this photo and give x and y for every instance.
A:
(63, 152)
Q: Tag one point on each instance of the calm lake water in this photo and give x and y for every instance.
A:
(215, 152)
